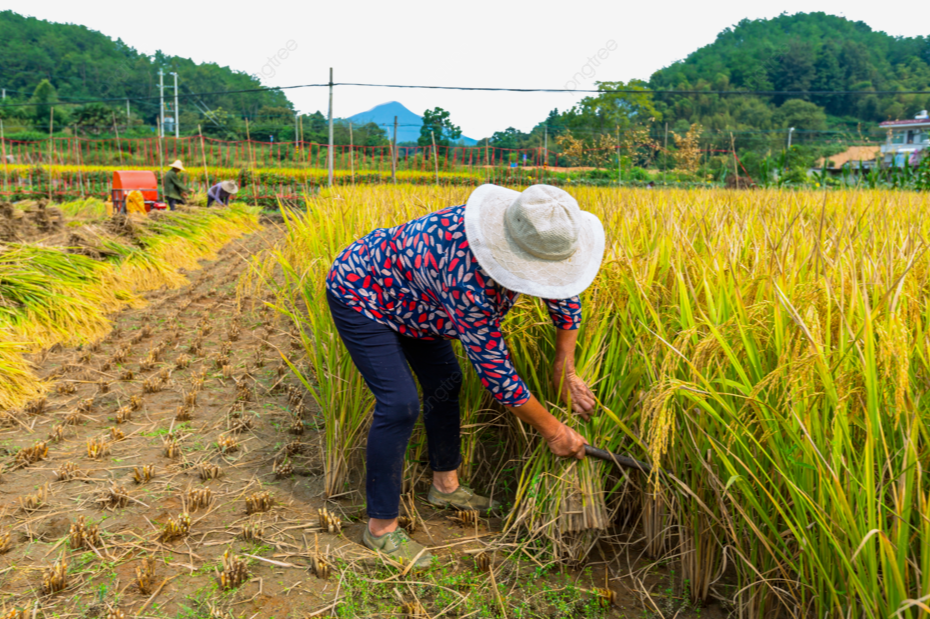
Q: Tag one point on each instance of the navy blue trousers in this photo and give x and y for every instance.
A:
(385, 359)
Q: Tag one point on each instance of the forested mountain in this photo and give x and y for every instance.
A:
(46, 64)
(801, 52)
(82, 64)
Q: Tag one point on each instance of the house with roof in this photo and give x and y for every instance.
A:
(854, 159)
(908, 140)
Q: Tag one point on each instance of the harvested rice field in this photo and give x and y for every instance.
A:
(175, 466)
(185, 437)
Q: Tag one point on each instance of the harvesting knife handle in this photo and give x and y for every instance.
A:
(624, 461)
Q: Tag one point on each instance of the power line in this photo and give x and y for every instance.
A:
(760, 93)
(155, 97)
(766, 93)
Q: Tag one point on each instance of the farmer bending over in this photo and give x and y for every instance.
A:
(222, 192)
(173, 188)
(398, 295)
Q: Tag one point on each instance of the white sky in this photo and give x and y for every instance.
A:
(542, 44)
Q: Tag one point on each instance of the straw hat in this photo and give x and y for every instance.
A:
(537, 242)
(178, 165)
(230, 187)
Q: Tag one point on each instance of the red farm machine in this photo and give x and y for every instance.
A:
(125, 182)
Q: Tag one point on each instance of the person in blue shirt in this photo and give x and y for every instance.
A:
(222, 192)
(399, 295)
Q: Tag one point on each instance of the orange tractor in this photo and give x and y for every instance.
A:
(135, 191)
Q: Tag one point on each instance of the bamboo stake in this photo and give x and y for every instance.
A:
(735, 165)
(77, 143)
(51, 149)
(119, 144)
(665, 150)
(203, 156)
(158, 144)
(352, 153)
(619, 160)
(248, 138)
(303, 164)
(6, 171)
(435, 155)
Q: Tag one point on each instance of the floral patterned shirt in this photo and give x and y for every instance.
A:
(422, 280)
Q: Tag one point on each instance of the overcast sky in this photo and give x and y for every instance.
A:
(542, 44)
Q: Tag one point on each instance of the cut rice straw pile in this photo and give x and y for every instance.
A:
(51, 295)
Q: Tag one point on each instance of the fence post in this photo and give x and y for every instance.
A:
(435, 155)
(6, 172)
(352, 153)
(77, 143)
(619, 161)
(735, 165)
(394, 154)
(51, 149)
(160, 147)
(119, 145)
(248, 137)
(203, 155)
(329, 155)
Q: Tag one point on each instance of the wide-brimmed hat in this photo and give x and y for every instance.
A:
(229, 186)
(178, 165)
(537, 241)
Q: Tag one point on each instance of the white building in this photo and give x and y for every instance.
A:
(908, 140)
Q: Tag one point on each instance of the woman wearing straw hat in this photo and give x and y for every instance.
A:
(174, 189)
(222, 192)
(399, 294)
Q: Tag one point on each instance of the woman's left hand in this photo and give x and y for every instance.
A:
(573, 389)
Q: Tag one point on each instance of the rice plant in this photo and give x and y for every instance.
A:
(766, 349)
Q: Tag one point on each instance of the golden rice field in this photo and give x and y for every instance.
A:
(768, 350)
(63, 293)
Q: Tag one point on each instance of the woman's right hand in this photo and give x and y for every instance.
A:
(566, 443)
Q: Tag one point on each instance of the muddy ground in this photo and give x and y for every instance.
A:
(248, 421)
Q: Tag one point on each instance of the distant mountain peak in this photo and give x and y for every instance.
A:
(408, 122)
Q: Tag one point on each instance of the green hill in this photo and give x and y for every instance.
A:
(806, 51)
(82, 64)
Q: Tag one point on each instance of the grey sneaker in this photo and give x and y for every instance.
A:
(397, 546)
(463, 498)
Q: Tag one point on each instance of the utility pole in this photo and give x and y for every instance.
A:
(296, 136)
(161, 103)
(127, 114)
(394, 154)
(177, 117)
(329, 155)
(788, 150)
(4, 94)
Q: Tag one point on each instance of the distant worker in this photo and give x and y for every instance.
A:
(174, 190)
(222, 192)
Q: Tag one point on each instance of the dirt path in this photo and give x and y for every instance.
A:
(248, 420)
